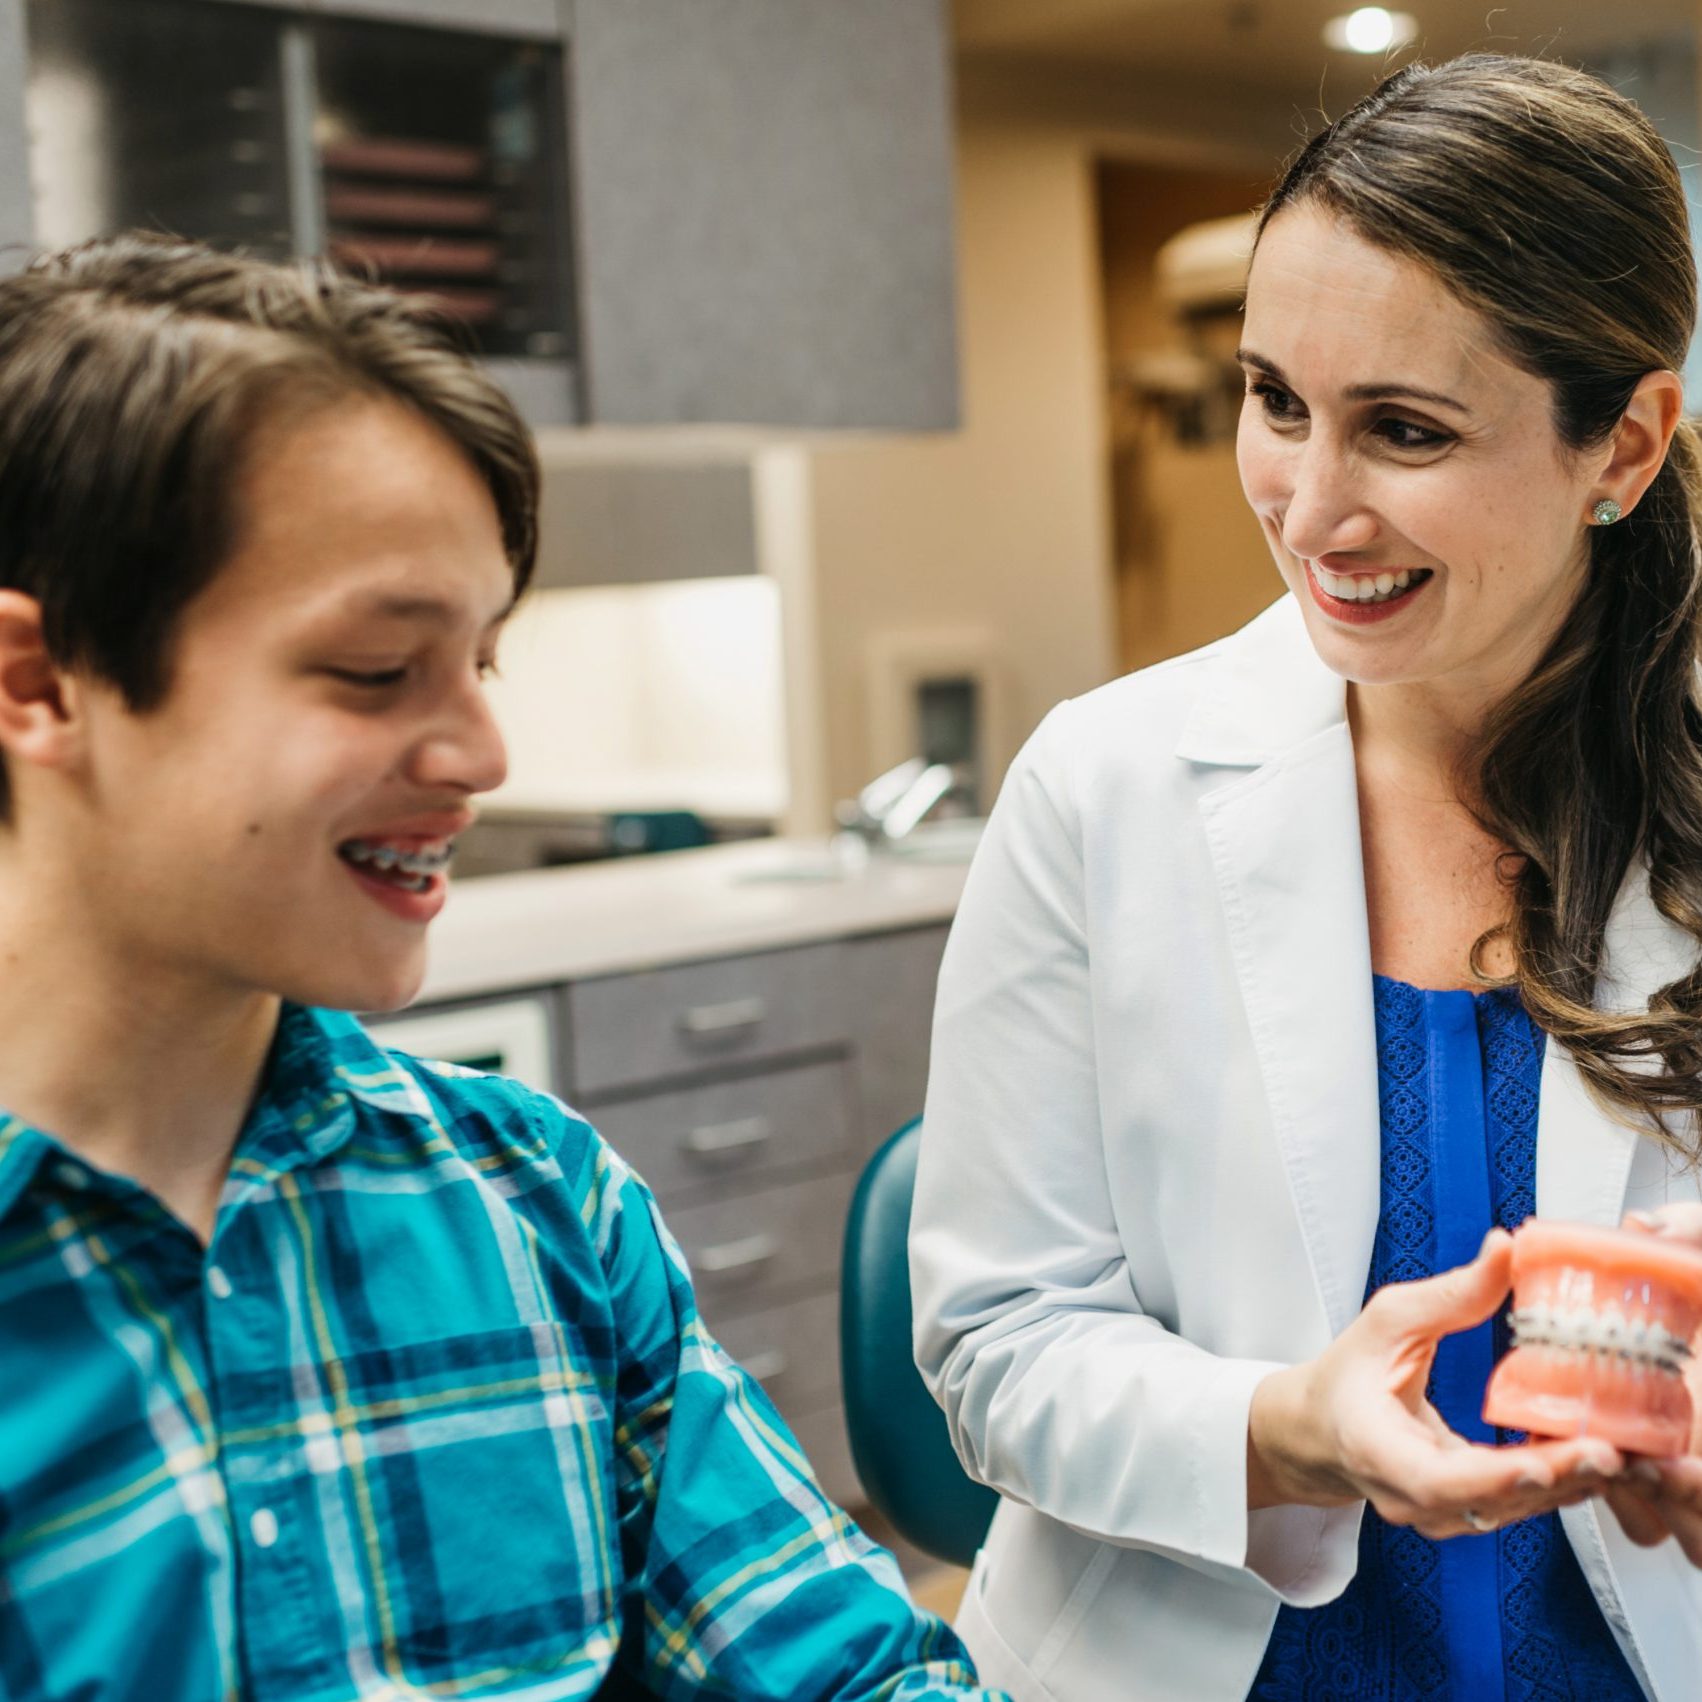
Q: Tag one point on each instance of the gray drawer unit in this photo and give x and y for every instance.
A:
(747, 1092)
(766, 1246)
(633, 1030)
(889, 988)
(736, 1135)
(792, 1350)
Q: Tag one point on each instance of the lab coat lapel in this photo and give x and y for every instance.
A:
(1584, 1157)
(1584, 1161)
(1284, 843)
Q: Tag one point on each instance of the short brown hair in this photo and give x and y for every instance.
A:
(134, 373)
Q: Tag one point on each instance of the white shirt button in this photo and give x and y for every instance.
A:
(263, 1527)
(219, 1283)
(73, 1175)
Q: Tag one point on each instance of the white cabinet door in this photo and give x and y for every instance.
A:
(510, 1038)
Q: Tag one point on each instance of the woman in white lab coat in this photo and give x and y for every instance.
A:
(1290, 968)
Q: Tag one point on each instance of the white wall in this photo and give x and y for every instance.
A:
(645, 696)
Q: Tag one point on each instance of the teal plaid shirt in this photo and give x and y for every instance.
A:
(433, 1415)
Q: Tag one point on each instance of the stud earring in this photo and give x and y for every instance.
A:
(1606, 511)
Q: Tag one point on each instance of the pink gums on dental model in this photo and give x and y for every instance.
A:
(1602, 1326)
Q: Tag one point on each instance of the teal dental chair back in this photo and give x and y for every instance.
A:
(899, 1440)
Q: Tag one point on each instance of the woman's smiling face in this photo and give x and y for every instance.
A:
(1385, 434)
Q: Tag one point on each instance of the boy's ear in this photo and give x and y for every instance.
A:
(39, 723)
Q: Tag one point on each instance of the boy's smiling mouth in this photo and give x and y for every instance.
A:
(411, 867)
(405, 865)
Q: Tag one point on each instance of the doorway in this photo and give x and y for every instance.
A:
(1190, 562)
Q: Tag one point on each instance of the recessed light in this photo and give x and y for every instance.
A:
(1371, 29)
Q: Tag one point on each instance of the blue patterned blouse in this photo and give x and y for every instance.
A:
(1505, 1617)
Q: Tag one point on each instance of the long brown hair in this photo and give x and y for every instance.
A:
(1548, 203)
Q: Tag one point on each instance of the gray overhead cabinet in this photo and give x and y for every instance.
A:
(644, 212)
(765, 211)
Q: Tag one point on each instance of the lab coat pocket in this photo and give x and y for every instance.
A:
(996, 1661)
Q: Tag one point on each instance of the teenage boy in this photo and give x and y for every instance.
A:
(324, 1373)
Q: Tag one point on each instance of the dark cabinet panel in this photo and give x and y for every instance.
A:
(429, 158)
(440, 168)
(166, 117)
(17, 225)
(538, 19)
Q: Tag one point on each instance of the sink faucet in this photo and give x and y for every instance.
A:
(891, 805)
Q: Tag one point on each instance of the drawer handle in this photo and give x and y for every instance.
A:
(730, 1256)
(707, 1022)
(765, 1367)
(719, 1140)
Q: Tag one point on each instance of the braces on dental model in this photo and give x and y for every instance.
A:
(1640, 1340)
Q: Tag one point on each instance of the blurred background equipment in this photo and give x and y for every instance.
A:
(430, 159)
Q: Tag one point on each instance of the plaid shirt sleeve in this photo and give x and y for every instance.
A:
(743, 1579)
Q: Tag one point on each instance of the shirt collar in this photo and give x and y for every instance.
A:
(22, 1150)
(323, 1068)
(322, 1065)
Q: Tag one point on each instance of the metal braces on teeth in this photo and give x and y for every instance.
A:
(1640, 1340)
(383, 857)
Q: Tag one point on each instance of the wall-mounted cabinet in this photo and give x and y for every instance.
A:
(765, 211)
(644, 212)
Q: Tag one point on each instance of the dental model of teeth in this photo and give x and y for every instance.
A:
(1583, 1331)
(1603, 1321)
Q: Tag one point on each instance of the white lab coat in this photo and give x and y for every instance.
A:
(1149, 1174)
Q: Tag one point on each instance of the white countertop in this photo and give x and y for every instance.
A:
(527, 930)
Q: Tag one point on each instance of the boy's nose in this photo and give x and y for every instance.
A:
(466, 751)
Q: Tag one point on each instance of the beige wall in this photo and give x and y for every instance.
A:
(1000, 535)
(999, 530)
(992, 544)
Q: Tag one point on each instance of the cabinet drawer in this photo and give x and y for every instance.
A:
(739, 1132)
(792, 1350)
(889, 984)
(631, 1029)
(758, 1249)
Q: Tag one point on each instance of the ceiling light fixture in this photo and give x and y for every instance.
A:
(1371, 29)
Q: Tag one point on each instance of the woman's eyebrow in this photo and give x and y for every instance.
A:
(1382, 392)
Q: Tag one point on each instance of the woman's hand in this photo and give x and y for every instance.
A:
(1354, 1423)
(1657, 1499)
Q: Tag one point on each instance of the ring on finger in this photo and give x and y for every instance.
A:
(1477, 1521)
